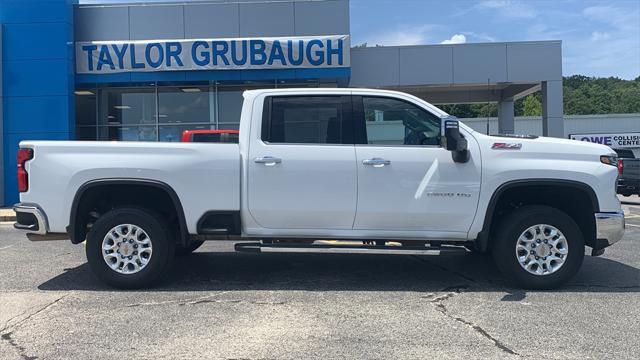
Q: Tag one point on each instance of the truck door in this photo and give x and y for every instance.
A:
(302, 169)
(406, 180)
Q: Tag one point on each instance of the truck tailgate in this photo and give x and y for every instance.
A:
(630, 169)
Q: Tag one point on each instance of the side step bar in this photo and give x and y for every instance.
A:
(345, 249)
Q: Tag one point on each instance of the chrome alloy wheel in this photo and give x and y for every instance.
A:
(542, 249)
(126, 249)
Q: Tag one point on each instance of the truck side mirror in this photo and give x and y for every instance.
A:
(455, 142)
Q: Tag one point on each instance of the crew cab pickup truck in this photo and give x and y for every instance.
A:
(373, 171)
(628, 176)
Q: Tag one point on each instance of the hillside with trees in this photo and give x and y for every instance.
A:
(583, 95)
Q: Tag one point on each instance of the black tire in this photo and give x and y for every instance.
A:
(506, 238)
(186, 250)
(163, 247)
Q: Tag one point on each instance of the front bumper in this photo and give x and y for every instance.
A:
(609, 228)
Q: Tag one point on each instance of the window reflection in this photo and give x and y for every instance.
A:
(184, 105)
(127, 106)
(174, 132)
(128, 133)
(162, 113)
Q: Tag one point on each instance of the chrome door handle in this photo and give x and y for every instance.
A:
(376, 162)
(267, 160)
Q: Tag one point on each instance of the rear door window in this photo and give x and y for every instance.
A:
(307, 120)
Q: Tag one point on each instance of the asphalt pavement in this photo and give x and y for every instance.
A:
(220, 304)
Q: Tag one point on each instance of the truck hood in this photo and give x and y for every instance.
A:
(550, 147)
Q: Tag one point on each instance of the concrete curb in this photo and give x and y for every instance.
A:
(7, 215)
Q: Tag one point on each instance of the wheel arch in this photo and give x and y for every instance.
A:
(483, 239)
(77, 231)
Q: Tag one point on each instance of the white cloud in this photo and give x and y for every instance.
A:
(456, 39)
(613, 46)
(508, 8)
(597, 36)
(415, 35)
(482, 36)
(613, 16)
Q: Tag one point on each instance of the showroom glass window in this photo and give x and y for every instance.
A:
(86, 107)
(183, 108)
(127, 114)
(395, 122)
(303, 119)
(230, 102)
(162, 113)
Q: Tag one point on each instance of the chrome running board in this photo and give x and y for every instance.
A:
(345, 249)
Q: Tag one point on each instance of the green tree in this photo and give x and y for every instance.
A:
(583, 95)
(532, 106)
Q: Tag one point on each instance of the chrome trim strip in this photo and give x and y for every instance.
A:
(610, 226)
(43, 226)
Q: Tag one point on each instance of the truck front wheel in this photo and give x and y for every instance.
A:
(130, 248)
(538, 247)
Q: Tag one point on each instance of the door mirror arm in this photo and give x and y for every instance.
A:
(454, 141)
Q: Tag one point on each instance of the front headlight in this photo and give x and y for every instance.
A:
(609, 160)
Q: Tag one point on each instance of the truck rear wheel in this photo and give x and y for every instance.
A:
(130, 248)
(538, 247)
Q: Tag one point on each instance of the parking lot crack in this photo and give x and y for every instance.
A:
(8, 246)
(234, 301)
(179, 302)
(440, 306)
(26, 316)
(21, 350)
(206, 300)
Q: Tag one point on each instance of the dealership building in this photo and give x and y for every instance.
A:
(148, 71)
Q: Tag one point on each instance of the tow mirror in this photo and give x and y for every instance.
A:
(455, 142)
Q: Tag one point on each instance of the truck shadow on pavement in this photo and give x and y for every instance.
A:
(228, 271)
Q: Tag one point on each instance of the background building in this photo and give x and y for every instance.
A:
(70, 71)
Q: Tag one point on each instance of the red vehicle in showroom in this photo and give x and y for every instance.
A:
(212, 136)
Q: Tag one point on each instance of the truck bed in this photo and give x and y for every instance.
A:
(194, 171)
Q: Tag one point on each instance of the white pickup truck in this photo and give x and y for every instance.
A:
(373, 171)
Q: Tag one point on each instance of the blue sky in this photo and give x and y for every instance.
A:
(599, 38)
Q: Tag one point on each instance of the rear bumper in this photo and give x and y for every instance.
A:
(628, 186)
(609, 228)
(30, 218)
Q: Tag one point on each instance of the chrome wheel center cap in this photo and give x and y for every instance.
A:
(125, 249)
(543, 250)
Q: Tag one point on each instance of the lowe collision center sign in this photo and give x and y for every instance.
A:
(104, 57)
(616, 141)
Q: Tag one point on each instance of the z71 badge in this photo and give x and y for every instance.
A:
(506, 146)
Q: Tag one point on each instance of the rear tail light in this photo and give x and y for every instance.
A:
(24, 155)
(620, 166)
